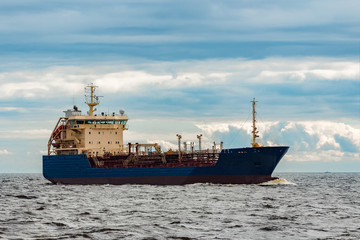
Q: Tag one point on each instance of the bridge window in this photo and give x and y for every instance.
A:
(72, 123)
(123, 122)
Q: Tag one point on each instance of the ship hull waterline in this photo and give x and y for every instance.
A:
(168, 180)
(234, 166)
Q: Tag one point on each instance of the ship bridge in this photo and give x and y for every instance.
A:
(90, 134)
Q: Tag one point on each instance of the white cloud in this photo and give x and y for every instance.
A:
(165, 145)
(43, 152)
(326, 131)
(130, 81)
(25, 134)
(12, 109)
(324, 141)
(154, 76)
(292, 70)
(4, 152)
(211, 128)
(322, 156)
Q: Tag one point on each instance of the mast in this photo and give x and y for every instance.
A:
(93, 101)
(254, 132)
(179, 139)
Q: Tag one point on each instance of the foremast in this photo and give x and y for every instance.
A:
(254, 131)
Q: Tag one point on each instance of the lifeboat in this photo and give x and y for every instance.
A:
(57, 131)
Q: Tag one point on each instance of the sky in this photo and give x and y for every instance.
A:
(189, 68)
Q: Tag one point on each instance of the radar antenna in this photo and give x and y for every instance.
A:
(91, 100)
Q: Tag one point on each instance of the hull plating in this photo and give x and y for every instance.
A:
(234, 166)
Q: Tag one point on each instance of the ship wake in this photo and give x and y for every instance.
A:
(278, 181)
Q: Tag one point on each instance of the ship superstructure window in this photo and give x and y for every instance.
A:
(123, 122)
(72, 123)
(109, 142)
(98, 142)
(90, 142)
(89, 132)
(80, 122)
(89, 122)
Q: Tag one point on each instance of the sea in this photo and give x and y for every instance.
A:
(296, 206)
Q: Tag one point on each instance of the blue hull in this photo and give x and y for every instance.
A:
(234, 166)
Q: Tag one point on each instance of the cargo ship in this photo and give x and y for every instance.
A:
(89, 149)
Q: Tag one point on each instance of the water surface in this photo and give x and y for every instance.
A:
(315, 206)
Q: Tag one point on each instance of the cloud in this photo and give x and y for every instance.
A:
(133, 81)
(4, 152)
(324, 141)
(292, 70)
(326, 133)
(165, 145)
(43, 152)
(12, 109)
(322, 156)
(155, 76)
(126, 21)
(26, 134)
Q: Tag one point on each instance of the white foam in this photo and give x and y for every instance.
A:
(279, 181)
